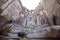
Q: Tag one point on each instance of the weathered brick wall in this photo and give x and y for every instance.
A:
(51, 7)
(11, 9)
(2, 2)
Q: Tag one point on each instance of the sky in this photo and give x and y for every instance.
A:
(30, 4)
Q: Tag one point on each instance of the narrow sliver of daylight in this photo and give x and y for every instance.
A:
(30, 4)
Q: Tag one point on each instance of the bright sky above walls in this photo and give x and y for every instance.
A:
(30, 4)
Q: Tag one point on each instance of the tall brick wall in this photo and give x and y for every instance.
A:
(52, 7)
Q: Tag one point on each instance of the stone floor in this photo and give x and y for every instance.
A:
(32, 34)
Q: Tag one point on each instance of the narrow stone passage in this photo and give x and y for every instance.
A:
(35, 20)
